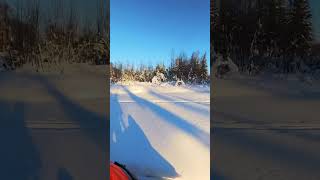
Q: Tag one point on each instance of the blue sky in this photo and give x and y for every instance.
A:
(315, 9)
(148, 31)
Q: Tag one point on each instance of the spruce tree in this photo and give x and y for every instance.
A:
(284, 37)
(194, 69)
(300, 28)
(273, 20)
(204, 69)
(214, 15)
(223, 29)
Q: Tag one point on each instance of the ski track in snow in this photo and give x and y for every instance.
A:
(158, 131)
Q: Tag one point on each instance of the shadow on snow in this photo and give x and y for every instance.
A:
(188, 106)
(202, 136)
(19, 157)
(130, 146)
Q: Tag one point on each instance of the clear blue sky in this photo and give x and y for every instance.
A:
(147, 31)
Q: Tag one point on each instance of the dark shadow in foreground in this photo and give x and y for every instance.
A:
(130, 146)
(300, 161)
(63, 174)
(19, 158)
(94, 125)
(217, 176)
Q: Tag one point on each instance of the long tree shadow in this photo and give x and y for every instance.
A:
(94, 125)
(203, 104)
(255, 84)
(91, 125)
(308, 135)
(279, 153)
(200, 90)
(189, 107)
(19, 158)
(130, 146)
(298, 132)
(202, 136)
(231, 118)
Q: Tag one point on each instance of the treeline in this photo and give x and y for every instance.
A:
(59, 39)
(192, 69)
(264, 34)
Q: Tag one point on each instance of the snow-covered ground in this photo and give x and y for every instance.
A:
(53, 124)
(265, 128)
(161, 131)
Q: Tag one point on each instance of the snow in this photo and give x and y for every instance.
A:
(180, 83)
(3, 64)
(161, 131)
(233, 67)
(155, 80)
(270, 122)
(52, 122)
(158, 78)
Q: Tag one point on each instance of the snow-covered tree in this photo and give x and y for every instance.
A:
(204, 70)
(194, 68)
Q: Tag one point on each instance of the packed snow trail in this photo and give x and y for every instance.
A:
(161, 131)
(53, 126)
(267, 128)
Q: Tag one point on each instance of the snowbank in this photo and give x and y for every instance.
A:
(4, 65)
(220, 61)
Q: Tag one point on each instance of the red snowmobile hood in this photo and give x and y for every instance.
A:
(120, 172)
(117, 173)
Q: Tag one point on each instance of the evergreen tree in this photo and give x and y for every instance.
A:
(204, 69)
(273, 21)
(194, 69)
(160, 68)
(300, 28)
(223, 29)
(214, 15)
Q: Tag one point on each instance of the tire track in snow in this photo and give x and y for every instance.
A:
(162, 101)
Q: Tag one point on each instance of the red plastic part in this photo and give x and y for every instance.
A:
(116, 173)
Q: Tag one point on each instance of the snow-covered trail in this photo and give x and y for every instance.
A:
(268, 129)
(161, 131)
(52, 125)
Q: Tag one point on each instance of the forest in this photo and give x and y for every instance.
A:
(264, 35)
(48, 39)
(192, 69)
